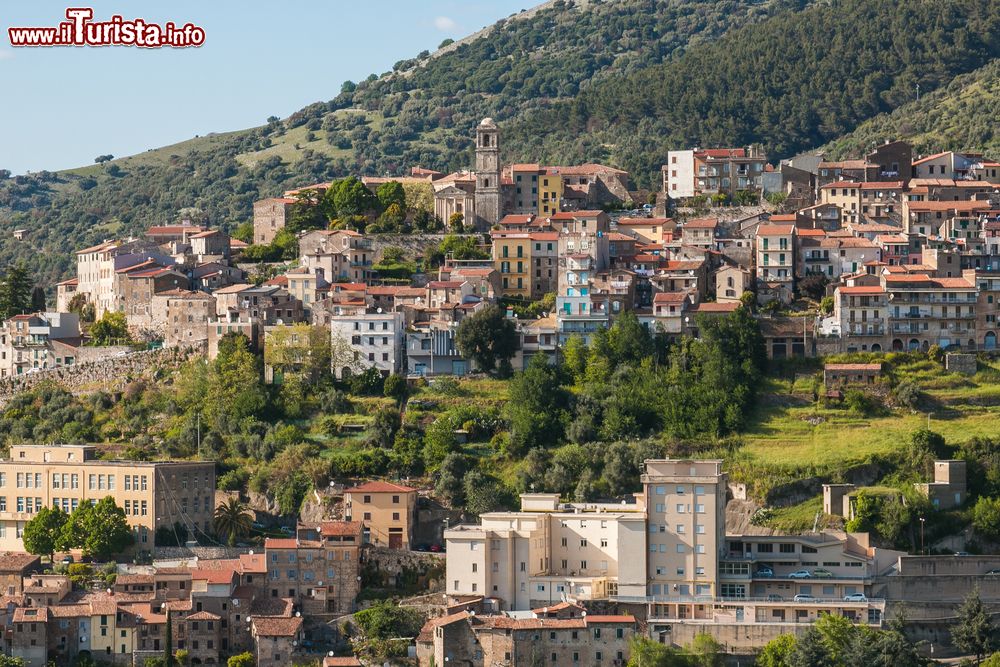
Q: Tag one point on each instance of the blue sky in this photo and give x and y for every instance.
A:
(61, 107)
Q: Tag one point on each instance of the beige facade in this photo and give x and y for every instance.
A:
(153, 494)
(388, 512)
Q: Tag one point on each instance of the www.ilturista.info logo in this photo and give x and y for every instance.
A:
(81, 30)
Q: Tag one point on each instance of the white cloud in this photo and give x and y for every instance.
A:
(445, 23)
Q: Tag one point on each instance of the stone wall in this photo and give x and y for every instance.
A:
(392, 562)
(108, 373)
(960, 363)
(413, 244)
(191, 554)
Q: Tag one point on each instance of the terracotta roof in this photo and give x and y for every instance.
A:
(783, 217)
(585, 169)
(350, 661)
(203, 616)
(281, 543)
(846, 164)
(15, 561)
(274, 626)
(891, 238)
(841, 184)
(544, 236)
(525, 167)
(253, 563)
(131, 579)
(702, 223)
(205, 234)
(709, 307)
(379, 487)
(810, 233)
(444, 284)
(670, 297)
(852, 367)
(930, 157)
(71, 281)
(775, 230)
(213, 576)
(31, 614)
(958, 206)
(232, 289)
(69, 610)
(607, 618)
(685, 264)
(512, 219)
(107, 245)
(557, 607)
(722, 152)
(882, 185)
(173, 229)
(339, 528)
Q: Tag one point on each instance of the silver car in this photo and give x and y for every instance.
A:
(855, 597)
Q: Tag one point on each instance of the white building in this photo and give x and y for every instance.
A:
(362, 340)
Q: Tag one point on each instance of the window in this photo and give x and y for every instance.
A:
(763, 548)
(786, 548)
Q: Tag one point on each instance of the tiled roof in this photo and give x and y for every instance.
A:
(670, 297)
(132, 579)
(685, 264)
(841, 184)
(223, 576)
(349, 661)
(861, 290)
(379, 487)
(253, 563)
(709, 307)
(882, 185)
(783, 217)
(775, 230)
(339, 528)
(15, 561)
(948, 206)
(929, 158)
(444, 284)
(702, 223)
(203, 616)
(107, 245)
(273, 626)
(281, 543)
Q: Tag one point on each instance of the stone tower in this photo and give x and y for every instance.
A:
(487, 175)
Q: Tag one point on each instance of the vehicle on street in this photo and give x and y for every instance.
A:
(820, 573)
(774, 597)
(800, 574)
(855, 597)
(764, 572)
(802, 597)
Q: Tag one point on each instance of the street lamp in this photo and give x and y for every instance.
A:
(922, 521)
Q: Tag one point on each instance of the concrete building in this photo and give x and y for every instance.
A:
(370, 339)
(949, 488)
(775, 261)
(712, 171)
(38, 341)
(153, 494)
(387, 511)
(583, 252)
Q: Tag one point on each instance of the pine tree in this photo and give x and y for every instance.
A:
(15, 291)
(168, 649)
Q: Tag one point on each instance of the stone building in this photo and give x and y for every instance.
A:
(488, 206)
(188, 314)
(269, 218)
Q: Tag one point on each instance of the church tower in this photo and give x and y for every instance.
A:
(487, 175)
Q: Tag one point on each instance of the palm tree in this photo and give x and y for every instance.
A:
(233, 520)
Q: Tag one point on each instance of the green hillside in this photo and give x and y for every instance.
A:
(961, 115)
(422, 113)
(791, 83)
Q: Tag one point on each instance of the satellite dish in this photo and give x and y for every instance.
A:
(379, 311)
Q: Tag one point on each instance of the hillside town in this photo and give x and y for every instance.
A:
(888, 252)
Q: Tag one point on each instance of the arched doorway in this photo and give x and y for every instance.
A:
(925, 346)
(990, 341)
(897, 345)
(914, 345)
(972, 344)
(878, 348)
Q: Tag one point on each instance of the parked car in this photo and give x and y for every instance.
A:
(800, 574)
(287, 530)
(855, 597)
(992, 572)
(67, 560)
(961, 553)
(421, 546)
(820, 573)
(764, 572)
(774, 597)
(436, 548)
(802, 597)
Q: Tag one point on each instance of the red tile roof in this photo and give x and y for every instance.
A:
(670, 297)
(16, 561)
(339, 528)
(203, 616)
(281, 543)
(702, 223)
(841, 184)
(775, 230)
(379, 487)
(929, 158)
(274, 626)
(350, 661)
(882, 185)
(716, 307)
(861, 290)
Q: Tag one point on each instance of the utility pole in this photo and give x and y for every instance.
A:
(922, 520)
(199, 435)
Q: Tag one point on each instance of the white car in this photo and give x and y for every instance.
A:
(802, 597)
(855, 597)
(800, 574)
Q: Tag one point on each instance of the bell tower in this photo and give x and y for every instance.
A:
(487, 175)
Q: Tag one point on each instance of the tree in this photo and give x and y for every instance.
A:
(74, 530)
(391, 193)
(645, 652)
(101, 159)
(813, 285)
(168, 648)
(707, 651)
(38, 300)
(973, 632)
(348, 197)
(810, 651)
(241, 660)
(15, 291)
(305, 213)
(485, 493)
(395, 388)
(42, 533)
(83, 308)
(346, 87)
(865, 513)
(111, 329)
(456, 223)
(233, 390)
(574, 357)
(384, 621)
(487, 337)
(986, 517)
(108, 533)
(777, 652)
(233, 520)
(10, 661)
(538, 407)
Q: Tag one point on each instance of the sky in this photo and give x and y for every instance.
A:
(60, 107)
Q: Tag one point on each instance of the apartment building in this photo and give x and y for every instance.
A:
(648, 230)
(38, 341)
(512, 260)
(153, 494)
(537, 190)
(689, 173)
(583, 251)
(861, 313)
(387, 511)
(948, 164)
(136, 286)
(318, 568)
(544, 263)
(96, 269)
(548, 551)
(775, 261)
(700, 232)
(846, 196)
(369, 339)
(337, 254)
(928, 310)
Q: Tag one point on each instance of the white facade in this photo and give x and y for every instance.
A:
(678, 174)
(363, 340)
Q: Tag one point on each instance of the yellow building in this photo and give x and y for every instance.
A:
(537, 190)
(550, 192)
(512, 260)
(846, 195)
(388, 512)
(153, 494)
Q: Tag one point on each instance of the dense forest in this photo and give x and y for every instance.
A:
(960, 116)
(791, 83)
(616, 81)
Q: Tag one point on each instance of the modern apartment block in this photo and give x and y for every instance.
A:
(38, 341)
(583, 252)
(153, 494)
(666, 557)
(363, 340)
(693, 172)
